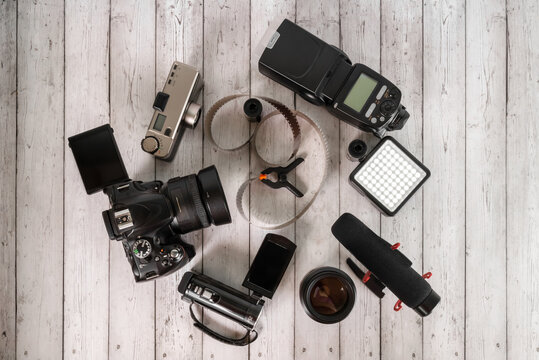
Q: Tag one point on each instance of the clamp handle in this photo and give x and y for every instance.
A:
(282, 180)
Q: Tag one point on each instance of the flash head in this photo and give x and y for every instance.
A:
(324, 75)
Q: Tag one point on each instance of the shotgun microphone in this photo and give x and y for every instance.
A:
(387, 266)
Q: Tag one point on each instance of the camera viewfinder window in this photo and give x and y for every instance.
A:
(159, 122)
(360, 92)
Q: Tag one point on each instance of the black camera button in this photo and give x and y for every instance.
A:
(160, 101)
(388, 107)
(164, 262)
(394, 93)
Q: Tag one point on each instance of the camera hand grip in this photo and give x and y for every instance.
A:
(245, 340)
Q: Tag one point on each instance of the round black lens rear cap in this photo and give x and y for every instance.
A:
(213, 196)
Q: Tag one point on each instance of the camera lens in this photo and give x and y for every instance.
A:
(198, 200)
(327, 295)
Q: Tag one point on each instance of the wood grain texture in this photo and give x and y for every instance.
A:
(316, 245)
(402, 57)
(8, 162)
(226, 71)
(179, 34)
(40, 170)
(485, 180)
(444, 193)
(360, 40)
(132, 90)
(468, 72)
(275, 334)
(86, 250)
(522, 175)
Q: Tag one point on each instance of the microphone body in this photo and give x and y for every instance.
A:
(390, 266)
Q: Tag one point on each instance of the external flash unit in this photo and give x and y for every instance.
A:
(324, 75)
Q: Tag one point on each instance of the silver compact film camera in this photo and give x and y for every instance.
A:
(175, 110)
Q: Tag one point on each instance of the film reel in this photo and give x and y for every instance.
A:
(257, 199)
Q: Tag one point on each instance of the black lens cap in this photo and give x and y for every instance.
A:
(357, 150)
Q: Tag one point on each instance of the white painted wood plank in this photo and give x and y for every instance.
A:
(226, 71)
(179, 34)
(132, 90)
(86, 250)
(8, 161)
(522, 180)
(444, 194)
(485, 180)
(276, 326)
(360, 40)
(402, 64)
(316, 245)
(40, 151)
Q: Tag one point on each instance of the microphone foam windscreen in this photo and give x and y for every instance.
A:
(390, 266)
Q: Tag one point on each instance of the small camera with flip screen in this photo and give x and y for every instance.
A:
(175, 110)
(263, 278)
(324, 75)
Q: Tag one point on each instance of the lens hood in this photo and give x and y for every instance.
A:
(213, 196)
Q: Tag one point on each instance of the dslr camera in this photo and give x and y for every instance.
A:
(148, 217)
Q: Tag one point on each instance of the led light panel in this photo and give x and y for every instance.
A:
(389, 175)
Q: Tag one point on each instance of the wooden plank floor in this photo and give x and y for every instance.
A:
(469, 73)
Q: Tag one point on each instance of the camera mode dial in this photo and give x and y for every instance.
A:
(150, 144)
(142, 248)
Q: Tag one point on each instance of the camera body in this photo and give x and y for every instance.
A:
(324, 75)
(148, 217)
(153, 247)
(263, 278)
(175, 110)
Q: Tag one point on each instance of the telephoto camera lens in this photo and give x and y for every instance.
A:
(327, 295)
(198, 200)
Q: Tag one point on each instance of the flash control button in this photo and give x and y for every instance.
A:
(370, 110)
(381, 92)
(387, 107)
(394, 93)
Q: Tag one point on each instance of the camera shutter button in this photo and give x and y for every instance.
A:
(150, 144)
(174, 253)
